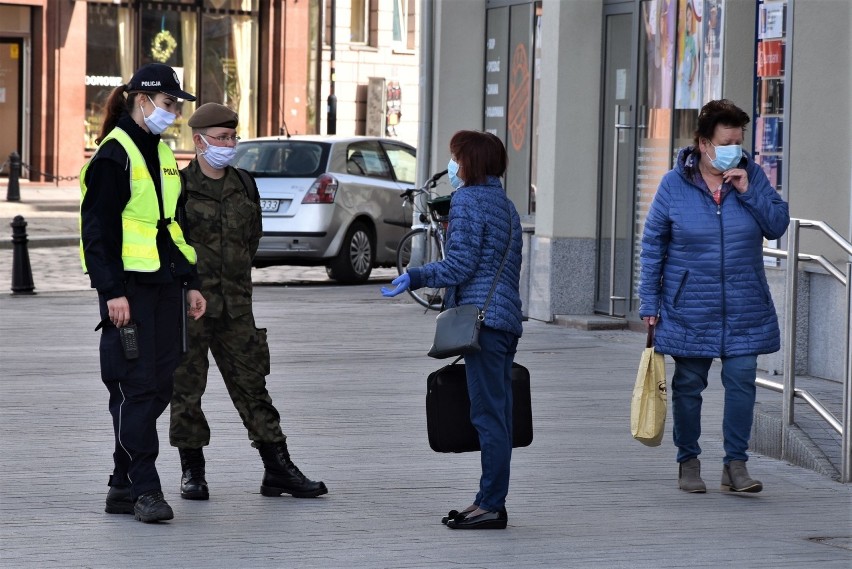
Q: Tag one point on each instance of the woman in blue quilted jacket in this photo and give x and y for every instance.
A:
(704, 289)
(483, 226)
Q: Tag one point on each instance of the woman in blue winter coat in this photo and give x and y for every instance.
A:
(483, 226)
(704, 288)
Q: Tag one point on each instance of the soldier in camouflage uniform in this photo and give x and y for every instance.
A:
(223, 223)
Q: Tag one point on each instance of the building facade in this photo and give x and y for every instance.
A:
(593, 99)
(270, 60)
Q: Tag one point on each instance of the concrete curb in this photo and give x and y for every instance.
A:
(46, 241)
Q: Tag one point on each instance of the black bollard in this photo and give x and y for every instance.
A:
(13, 192)
(22, 273)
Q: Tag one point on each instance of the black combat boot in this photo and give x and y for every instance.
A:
(282, 476)
(119, 500)
(152, 507)
(193, 486)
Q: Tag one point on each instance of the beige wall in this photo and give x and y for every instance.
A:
(355, 64)
(820, 124)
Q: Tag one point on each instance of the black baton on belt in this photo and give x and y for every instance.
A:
(184, 334)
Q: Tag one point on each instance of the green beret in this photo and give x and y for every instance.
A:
(213, 114)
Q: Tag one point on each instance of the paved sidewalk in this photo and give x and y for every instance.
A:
(51, 213)
(348, 375)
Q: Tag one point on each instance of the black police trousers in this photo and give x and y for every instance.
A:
(140, 389)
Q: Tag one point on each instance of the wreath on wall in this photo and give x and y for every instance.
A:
(163, 46)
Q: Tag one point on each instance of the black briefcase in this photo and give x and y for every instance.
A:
(448, 410)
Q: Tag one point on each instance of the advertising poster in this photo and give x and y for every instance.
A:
(770, 20)
(712, 26)
(687, 86)
(770, 58)
(660, 19)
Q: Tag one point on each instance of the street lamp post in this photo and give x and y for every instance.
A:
(331, 116)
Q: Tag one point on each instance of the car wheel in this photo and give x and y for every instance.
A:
(354, 262)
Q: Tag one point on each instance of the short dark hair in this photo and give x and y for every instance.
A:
(479, 155)
(714, 113)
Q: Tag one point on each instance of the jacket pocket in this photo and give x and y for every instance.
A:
(676, 302)
(763, 286)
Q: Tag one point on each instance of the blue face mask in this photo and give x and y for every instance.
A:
(727, 157)
(159, 120)
(452, 172)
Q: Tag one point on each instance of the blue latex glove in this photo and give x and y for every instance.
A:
(402, 282)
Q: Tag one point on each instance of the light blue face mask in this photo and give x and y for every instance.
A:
(218, 156)
(727, 157)
(452, 172)
(159, 120)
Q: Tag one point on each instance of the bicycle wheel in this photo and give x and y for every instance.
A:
(414, 251)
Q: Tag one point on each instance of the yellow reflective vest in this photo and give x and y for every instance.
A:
(140, 216)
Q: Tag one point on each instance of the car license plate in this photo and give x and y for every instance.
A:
(269, 205)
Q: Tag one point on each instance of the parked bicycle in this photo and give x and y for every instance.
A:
(425, 243)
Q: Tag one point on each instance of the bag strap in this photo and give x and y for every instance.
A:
(496, 277)
(649, 343)
(249, 184)
(500, 270)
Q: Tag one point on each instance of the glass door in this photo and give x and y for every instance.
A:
(616, 194)
(11, 97)
(655, 97)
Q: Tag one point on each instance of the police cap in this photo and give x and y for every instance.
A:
(213, 114)
(157, 78)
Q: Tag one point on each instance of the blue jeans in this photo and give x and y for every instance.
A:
(489, 383)
(690, 379)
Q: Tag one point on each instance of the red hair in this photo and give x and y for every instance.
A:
(479, 155)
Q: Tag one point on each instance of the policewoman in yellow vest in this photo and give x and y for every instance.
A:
(140, 264)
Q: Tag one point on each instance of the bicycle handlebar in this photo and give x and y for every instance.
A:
(437, 176)
(408, 194)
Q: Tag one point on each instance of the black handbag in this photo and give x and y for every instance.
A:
(448, 410)
(457, 329)
(457, 332)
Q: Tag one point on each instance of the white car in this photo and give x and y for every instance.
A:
(330, 200)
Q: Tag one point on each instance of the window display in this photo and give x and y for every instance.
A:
(109, 60)
(210, 45)
(769, 92)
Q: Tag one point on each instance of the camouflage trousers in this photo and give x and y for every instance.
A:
(242, 356)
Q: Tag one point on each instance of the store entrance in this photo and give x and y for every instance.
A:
(615, 210)
(11, 98)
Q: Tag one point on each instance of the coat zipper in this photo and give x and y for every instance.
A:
(722, 274)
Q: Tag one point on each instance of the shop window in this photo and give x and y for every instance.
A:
(209, 44)
(170, 37)
(109, 61)
(510, 51)
(229, 65)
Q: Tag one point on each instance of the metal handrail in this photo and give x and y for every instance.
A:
(788, 389)
(818, 259)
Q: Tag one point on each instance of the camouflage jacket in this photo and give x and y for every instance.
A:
(224, 225)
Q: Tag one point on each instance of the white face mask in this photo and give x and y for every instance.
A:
(218, 156)
(159, 120)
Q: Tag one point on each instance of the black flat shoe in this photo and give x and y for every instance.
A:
(454, 515)
(488, 520)
(451, 515)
